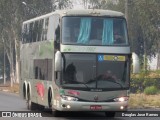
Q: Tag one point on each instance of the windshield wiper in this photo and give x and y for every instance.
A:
(85, 85)
(116, 83)
(110, 80)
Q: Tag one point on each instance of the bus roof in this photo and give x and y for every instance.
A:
(80, 12)
(92, 12)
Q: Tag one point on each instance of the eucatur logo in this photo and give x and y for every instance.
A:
(96, 97)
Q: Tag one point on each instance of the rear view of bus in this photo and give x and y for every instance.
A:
(76, 60)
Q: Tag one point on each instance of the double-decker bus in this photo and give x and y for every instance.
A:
(76, 60)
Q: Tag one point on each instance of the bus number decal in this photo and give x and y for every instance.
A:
(111, 58)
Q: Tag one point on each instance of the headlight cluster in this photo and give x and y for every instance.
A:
(68, 98)
(121, 99)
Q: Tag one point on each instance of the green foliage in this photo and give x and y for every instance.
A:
(151, 81)
(145, 79)
(152, 90)
(136, 85)
(12, 14)
(143, 22)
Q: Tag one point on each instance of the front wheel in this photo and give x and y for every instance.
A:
(56, 113)
(110, 114)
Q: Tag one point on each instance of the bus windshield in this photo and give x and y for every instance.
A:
(96, 31)
(95, 71)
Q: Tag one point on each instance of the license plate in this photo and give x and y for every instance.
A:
(95, 107)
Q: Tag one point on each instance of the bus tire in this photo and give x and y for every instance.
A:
(41, 107)
(110, 114)
(50, 98)
(30, 104)
(24, 91)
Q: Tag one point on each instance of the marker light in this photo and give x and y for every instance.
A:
(121, 99)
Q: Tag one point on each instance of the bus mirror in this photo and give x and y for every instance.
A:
(58, 61)
(135, 63)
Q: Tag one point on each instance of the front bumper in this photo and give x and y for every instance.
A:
(86, 106)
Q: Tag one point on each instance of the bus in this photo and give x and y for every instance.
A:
(76, 60)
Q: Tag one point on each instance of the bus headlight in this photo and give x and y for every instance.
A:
(121, 99)
(68, 98)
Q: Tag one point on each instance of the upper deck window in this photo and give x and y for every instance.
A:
(94, 31)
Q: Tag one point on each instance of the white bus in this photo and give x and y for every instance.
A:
(76, 60)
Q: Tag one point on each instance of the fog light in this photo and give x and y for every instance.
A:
(68, 106)
(121, 107)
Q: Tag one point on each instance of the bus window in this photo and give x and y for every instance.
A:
(35, 32)
(45, 29)
(93, 31)
(25, 33)
(40, 28)
(119, 31)
(57, 33)
(30, 37)
(43, 69)
(53, 32)
(96, 32)
(70, 30)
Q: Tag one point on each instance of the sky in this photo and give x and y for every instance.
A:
(77, 4)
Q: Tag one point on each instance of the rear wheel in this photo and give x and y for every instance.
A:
(30, 104)
(110, 114)
(41, 107)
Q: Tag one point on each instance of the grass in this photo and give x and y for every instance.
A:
(8, 88)
(144, 101)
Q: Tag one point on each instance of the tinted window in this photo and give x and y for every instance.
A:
(43, 69)
(94, 31)
(96, 71)
(44, 29)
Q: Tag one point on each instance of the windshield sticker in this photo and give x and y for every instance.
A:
(111, 58)
(100, 58)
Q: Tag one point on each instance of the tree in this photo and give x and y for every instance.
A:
(144, 19)
(144, 15)
(12, 14)
(61, 4)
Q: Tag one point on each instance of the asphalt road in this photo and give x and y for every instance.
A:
(12, 102)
